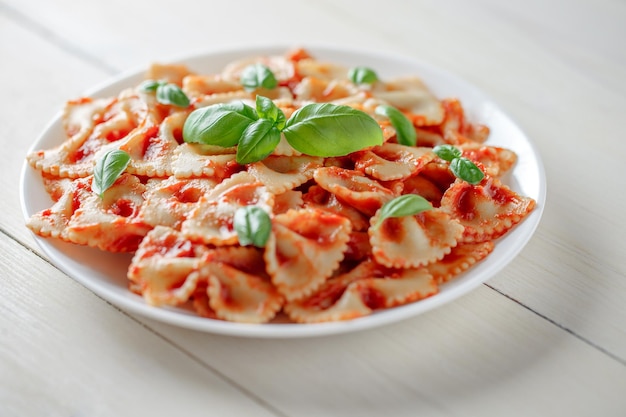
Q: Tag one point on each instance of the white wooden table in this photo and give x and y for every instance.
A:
(545, 337)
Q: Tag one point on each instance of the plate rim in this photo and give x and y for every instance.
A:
(293, 330)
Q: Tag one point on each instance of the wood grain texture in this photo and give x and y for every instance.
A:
(547, 336)
(64, 351)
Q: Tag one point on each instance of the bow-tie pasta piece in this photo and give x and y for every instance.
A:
(304, 248)
(110, 223)
(456, 129)
(211, 221)
(165, 268)
(235, 287)
(169, 201)
(495, 160)
(365, 289)
(67, 195)
(282, 173)
(411, 95)
(487, 210)
(392, 161)
(353, 188)
(191, 160)
(413, 241)
(152, 148)
(462, 257)
(319, 198)
(171, 73)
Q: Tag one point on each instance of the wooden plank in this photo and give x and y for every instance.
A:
(64, 351)
(482, 355)
(36, 81)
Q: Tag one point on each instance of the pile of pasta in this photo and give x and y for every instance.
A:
(173, 206)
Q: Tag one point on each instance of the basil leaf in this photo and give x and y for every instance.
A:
(447, 152)
(325, 129)
(253, 226)
(219, 124)
(172, 94)
(466, 170)
(257, 141)
(266, 109)
(108, 169)
(258, 76)
(405, 131)
(362, 75)
(149, 86)
(405, 205)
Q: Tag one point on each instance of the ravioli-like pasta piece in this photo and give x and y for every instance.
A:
(165, 268)
(487, 210)
(322, 90)
(207, 85)
(392, 161)
(461, 258)
(353, 188)
(282, 173)
(304, 248)
(413, 241)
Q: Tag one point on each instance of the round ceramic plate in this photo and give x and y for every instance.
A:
(105, 273)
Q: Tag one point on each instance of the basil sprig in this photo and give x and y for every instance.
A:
(258, 76)
(362, 75)
(405, 205)
(166, 93)
(108, 169)
(317, 129)
(405, 131)
(253, 226)
(460, 166)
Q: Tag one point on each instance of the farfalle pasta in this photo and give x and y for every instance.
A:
(331, 251)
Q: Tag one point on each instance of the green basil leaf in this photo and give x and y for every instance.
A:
(172, 94)
(447, 152)
(466, 170)
(150, 86)
(253, 226)
(362, 75)
(258, 141)
(219, 124)
(405, 205)
(405, 131)
(108, 169)
(266, 109)
(325, 129)
(258, 76)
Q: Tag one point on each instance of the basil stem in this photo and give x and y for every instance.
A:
(405, 205)
(108, 169)
(405, 131)
(253, 226)
(266, 109)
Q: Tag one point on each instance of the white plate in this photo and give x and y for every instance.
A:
(105, 273)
